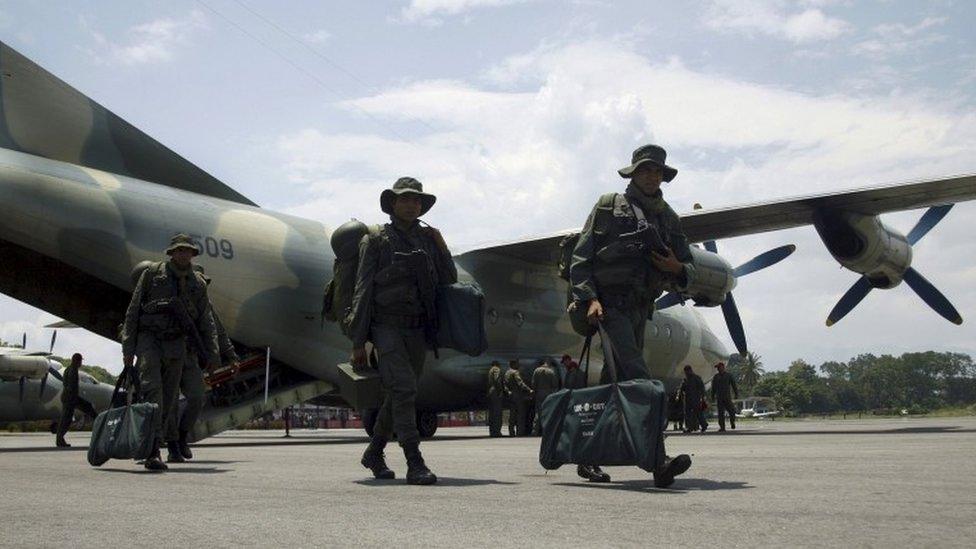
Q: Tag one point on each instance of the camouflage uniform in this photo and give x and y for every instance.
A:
(156, 337)
(723, 385)
(496, 399)
(69, 401)
(544, 382)
(612, 263)
(389, 308)
(518, 403)
(192, 384)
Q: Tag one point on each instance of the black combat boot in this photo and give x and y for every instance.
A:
(154, 462)
(374, 460)
(417, 471)
(185, 446)
(672, 467)
(173, 454)
(61, 443)
(732, 422)
(592, 473)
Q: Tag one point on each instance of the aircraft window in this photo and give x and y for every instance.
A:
(519, 318)
(492, 316)
(667, 332)
(654, 330)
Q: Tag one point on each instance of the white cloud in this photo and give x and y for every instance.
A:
(432, 11)
(773, 18)
(896, 38)
(506, 164)
(319, 36)
(152, 42)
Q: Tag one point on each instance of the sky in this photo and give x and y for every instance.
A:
(516, 114)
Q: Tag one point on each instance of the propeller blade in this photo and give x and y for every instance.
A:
(925, 224)
(734, 322)
(23, 341)
(21, 392)
(54, 337)
(710, 246)
(765, 259)
(931, 296)
(43, 385)
(849, 300)
(669, 299)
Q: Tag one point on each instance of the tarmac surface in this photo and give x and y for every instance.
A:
(879, 483)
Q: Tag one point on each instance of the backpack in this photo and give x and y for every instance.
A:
(577, 313)
(337, 301)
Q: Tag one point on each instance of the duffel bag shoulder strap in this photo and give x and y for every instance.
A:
(584, 360)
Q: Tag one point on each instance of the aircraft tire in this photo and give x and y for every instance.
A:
(426, 424)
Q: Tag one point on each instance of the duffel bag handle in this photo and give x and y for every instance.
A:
(608, 353)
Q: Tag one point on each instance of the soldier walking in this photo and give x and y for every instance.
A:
(693, 389)
(723, 387)
(496, 399)
(544, 383)
(400, 267)
(168, 325)
(518, 400)
(194, 388)
(70, 399)
(630, 250)
(575, 378)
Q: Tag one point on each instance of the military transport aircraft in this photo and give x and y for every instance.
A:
(95, 196)
(31, 384)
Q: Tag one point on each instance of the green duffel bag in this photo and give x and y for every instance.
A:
(123, 432)
(616, 424)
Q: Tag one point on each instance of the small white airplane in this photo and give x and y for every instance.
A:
(756, 407)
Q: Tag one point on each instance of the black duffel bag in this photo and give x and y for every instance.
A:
(124, 432)
(461, 318)
(615, 424)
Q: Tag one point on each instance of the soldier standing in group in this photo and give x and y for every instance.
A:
(168, 325)
(575, 378)
(400, 267)
(723, 386)
(518, 400)
(693, 389)
(544, 383)
(496, 399)
(194, 389)
(630, 250)
(71, 400)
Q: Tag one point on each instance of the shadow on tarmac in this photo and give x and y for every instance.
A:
(304, 441)
(681, 486)
(441, 481)
(901, 431)
(181, 470)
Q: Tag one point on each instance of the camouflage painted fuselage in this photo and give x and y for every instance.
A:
(269, 272)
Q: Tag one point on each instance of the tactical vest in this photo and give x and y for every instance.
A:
(159, 290)
(621, 267)
(396, 284)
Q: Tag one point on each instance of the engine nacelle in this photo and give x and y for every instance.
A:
(713, 279)
(17, 366)
(861, 243)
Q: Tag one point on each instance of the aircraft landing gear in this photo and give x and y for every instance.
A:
(426, 424)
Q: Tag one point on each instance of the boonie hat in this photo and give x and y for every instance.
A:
(648, 154)
(406, 185)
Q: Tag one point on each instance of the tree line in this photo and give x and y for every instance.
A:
(916, 382)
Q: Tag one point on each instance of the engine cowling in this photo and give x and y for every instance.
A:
(26, 366)
(863, 244)
(713, 279)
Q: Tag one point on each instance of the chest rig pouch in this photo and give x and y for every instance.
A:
(625, 239)
(158, 314)
(402, 266)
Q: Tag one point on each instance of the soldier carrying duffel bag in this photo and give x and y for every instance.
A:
(617, 424)
(126, 430)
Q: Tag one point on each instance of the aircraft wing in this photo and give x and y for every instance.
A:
(702, 225)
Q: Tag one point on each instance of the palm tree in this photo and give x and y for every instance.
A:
(750, 370)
